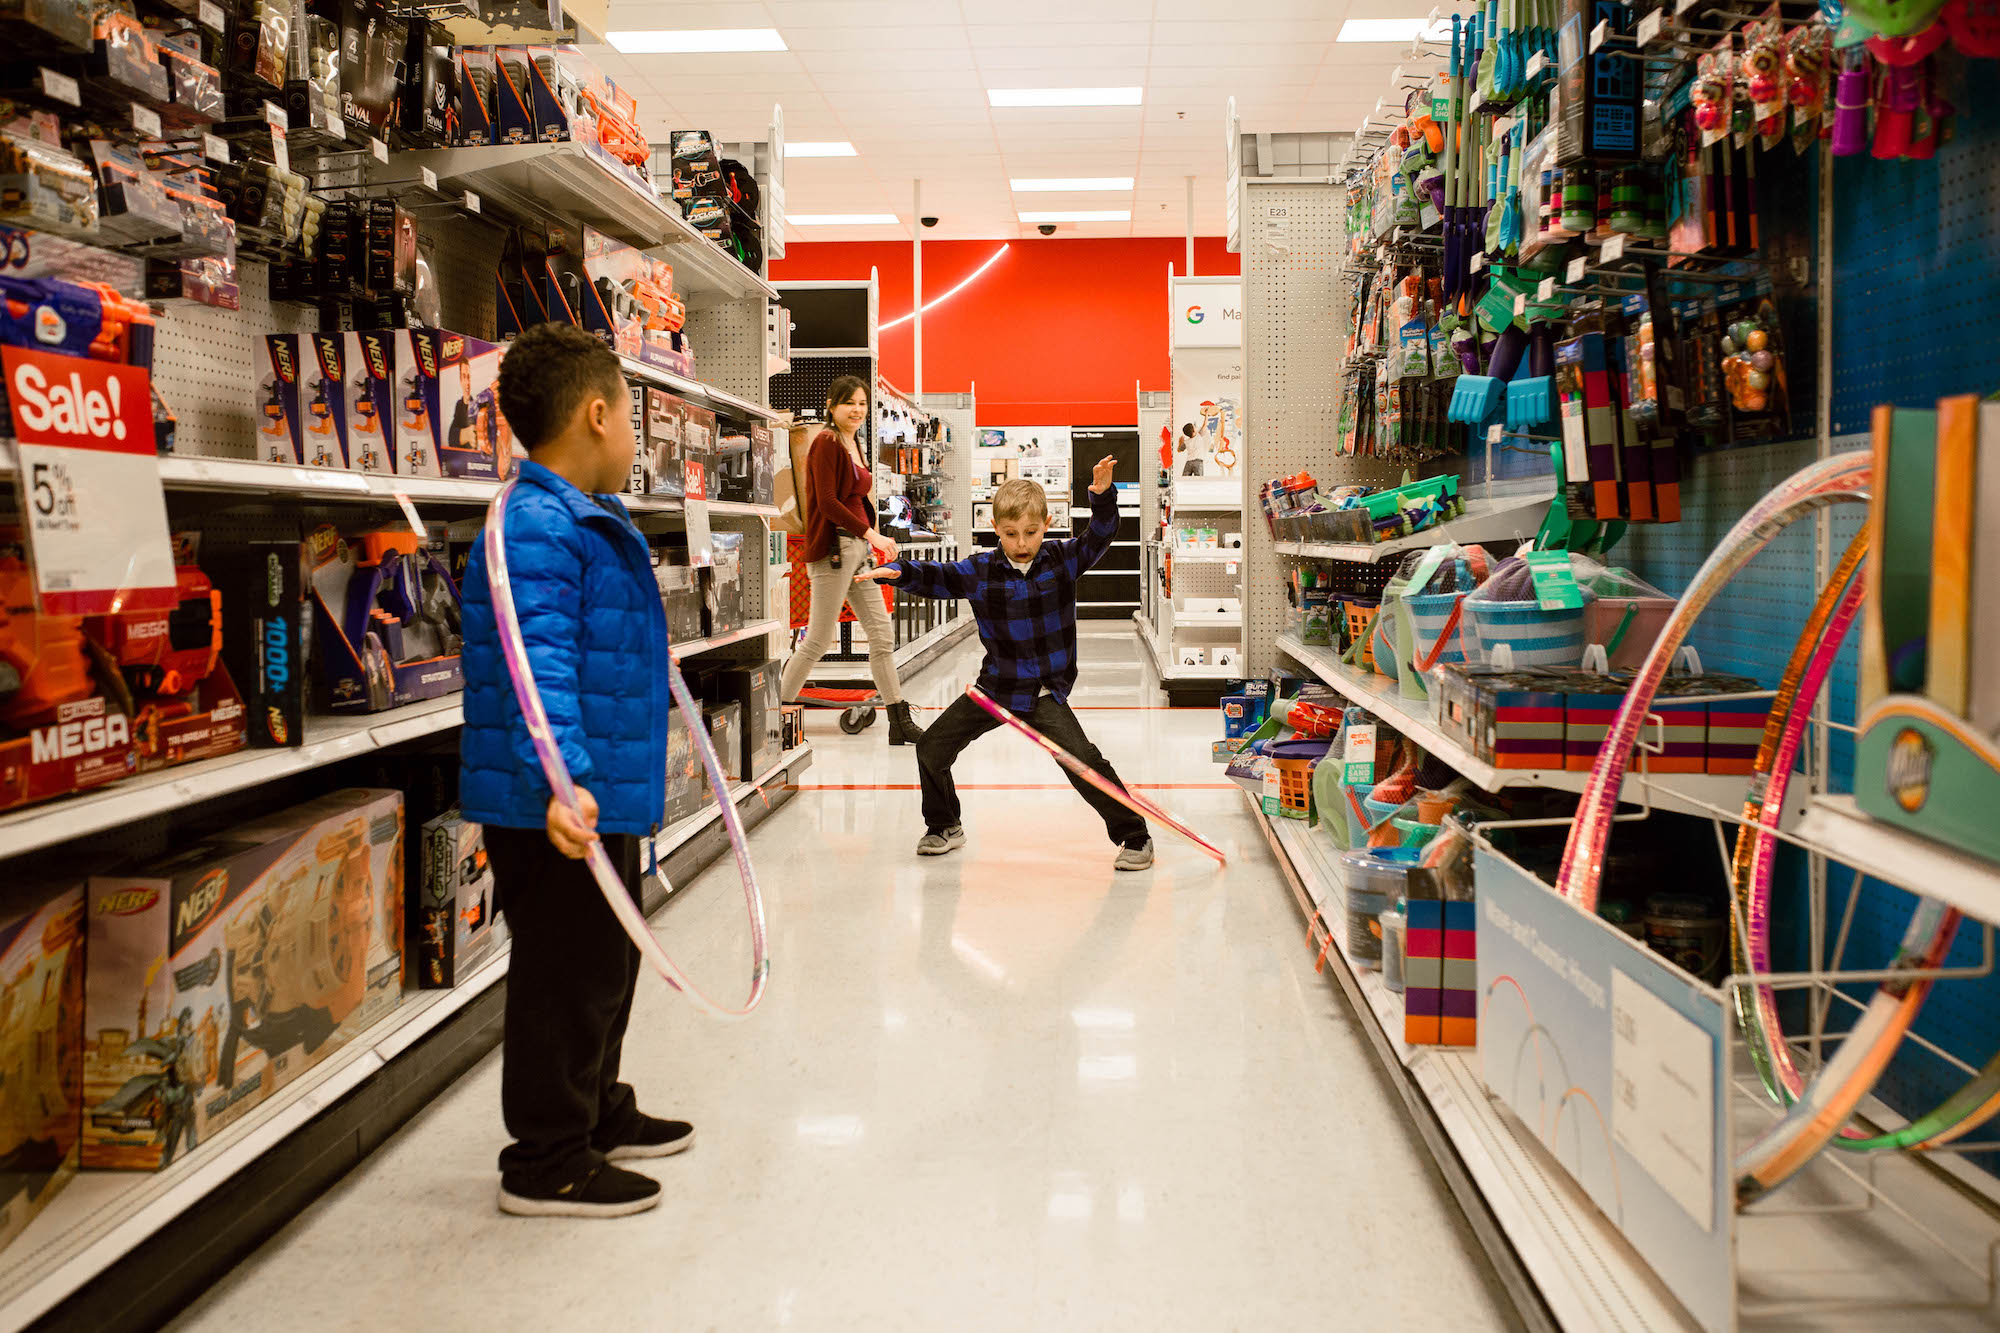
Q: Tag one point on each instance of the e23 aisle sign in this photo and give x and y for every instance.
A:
(96, 517)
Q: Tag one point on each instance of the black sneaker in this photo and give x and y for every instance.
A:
(603, 1191)
(651, 1137)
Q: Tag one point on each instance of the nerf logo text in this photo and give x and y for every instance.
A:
(201, 902)
(128, 902)
(79, 739)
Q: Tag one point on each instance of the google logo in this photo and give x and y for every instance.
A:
(1194, 315)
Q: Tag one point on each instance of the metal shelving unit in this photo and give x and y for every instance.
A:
(1484, 520)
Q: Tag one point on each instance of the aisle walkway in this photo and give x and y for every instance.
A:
(1004, 1089)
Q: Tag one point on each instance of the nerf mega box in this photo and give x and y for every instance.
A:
(41, 1048)
(450, 424)
(457, 927)
(228, 969)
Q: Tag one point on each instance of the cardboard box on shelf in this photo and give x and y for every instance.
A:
(725, 730)
(386, 619)
(223, 972)
(754, 690)
(450, 423)
(41, 1047)
(457, 928)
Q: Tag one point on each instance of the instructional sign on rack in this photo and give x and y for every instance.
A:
(95, 514)
(1663, 1088)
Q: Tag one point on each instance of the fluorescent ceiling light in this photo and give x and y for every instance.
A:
(841, 149)
(679, 41)
(1082, 215)
(1053, 184)
(1390, 30)
(840, 219)
(1064, 96)
(937, 301)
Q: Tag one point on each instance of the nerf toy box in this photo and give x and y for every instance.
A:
(746, 465)
(386, 619)
(304, 420)
(456, 926)
(185, 705)
(725, 731)
(666, 426)
(369, 391)
(225, 971)
(41, 1048)
(754, 691)
(687, 784)
(450, 423)
(267, 655)
(698, 434)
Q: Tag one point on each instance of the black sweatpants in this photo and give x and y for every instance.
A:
(965, 722)
(569, 995)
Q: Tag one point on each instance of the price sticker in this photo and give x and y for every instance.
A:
(1547, 290)
(1614, 248)
(275, 117)
(61, 88)
(1598, 35)
(1576, 268)
(471, 202)
(1520, 304)
(214, 149)
(410, 513)
(1495, 433)
(1538, 63)
(146, 121)
(1649, 27)
(378, 149)
(1477, 262)
(430, 178)
(212, 16)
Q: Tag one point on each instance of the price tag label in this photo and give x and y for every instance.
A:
(1555, 583)
(430, 178)
(1503, 126)
(378, 149)
(1495, 433)
(214, 149)
(275, 117)
(1576, 269)
(146, 121)
(212, 16)
(471, 202)
(1547, 290)
(1683, 6)
(1476, 263)
(1358, 763)
(89, 484)
(61, 88)
(1649, 27)
(1598, 35)
(1539, 63)
(1614, 248)
(1520, 304)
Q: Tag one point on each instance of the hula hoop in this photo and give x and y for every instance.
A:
(1131, 800)
(564, 788)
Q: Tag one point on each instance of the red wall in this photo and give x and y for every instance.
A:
(1059, 332)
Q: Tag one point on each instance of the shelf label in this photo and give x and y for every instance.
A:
(1683, 6)
(1476, 263)
(275, 117)
(89, 484)
(1547, 290)
(212, 16)
(1577, 267)
(1520, 304)
(1614, 248)
(1538, 63)
(1663, 1095)
(1495, 433)
(378, 149)
(430, 178)
(471, 202)
(214, 149)
(146, 121)
(1358, 762)
(1649, 27)
(410, 513)
(61, 88)
(1598, 35)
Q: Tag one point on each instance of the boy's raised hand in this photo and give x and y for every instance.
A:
(880, 574)
(571, 838)
(1100, 477)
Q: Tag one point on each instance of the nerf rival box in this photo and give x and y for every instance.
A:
(450, 424)
(457, 926)
(41, 1048)
(225, 971)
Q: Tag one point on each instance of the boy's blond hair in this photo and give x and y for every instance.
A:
(1018, 499)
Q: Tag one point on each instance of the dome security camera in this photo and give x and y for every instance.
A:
(928, 222)
(1047, 228)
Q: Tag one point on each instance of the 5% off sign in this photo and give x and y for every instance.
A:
(95, 515)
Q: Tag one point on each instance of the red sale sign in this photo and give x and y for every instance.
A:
(95, 515)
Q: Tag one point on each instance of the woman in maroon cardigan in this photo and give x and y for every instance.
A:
(839, 537)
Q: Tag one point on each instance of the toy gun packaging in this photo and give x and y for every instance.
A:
(449, 421)
(369, 363)
(386, 619)
(458, 924)
(304, 412)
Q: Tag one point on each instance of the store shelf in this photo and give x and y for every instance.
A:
(104, 1215)
(1170, 670)
(1483, 521)
(1585, 1272)
(741, 507)
(1204, 557)
(695, 647)
(1219, 494)
(935, 637)
(718, 399)
(566, 183)
(1191, 621)
(328, 740)
(1685, 793)
(1839, 828)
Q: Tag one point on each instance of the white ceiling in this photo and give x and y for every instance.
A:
(906, 81)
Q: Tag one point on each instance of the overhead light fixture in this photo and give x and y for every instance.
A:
(939, 300)
(841, 149)
(1064, 96)
(1390, 30)
(841, 219)
(1053, 184)
(695, 41)
(1082, 215)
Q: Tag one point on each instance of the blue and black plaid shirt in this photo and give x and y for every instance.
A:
(1027, 621)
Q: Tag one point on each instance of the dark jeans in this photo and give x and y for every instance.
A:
(965, 721)
(569, 995)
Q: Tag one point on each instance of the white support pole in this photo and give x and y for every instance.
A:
(917, 281)
(1190, 226)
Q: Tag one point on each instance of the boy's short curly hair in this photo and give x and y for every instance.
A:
(1018, 499)
(550, 371)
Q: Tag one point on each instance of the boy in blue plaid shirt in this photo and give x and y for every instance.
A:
(1024, 596)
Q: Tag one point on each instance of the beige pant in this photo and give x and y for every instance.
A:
(830, 588)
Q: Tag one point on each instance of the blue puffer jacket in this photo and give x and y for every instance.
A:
(596, 635)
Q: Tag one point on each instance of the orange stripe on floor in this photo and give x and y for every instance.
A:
(1005, 786)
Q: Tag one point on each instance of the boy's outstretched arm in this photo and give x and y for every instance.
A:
(929, 578)
(1096, 540)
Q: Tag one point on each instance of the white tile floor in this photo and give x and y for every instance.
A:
(1008, 1088)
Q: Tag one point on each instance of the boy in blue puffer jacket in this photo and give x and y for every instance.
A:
(596, 635)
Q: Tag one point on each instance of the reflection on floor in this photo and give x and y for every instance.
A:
(1008, 1088)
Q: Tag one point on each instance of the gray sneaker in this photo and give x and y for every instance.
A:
(1136, 858)
(937, 844)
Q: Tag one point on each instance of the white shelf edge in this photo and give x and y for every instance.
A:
(696, 647)
(1483, 520)
(694, 388)
(1847, 834)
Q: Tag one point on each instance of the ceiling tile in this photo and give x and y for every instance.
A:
(859, 15)
(1106, 66)
(1056, 15)
(990, 36)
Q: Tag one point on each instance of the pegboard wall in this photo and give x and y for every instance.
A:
(960, 415)
(729, 349)
(802, 389)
